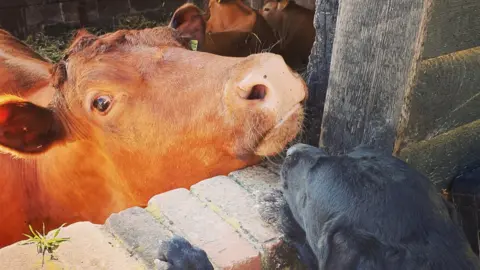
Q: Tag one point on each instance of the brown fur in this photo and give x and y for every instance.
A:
(235, 29)
(177, 117)
(294, 25)
(23, 72)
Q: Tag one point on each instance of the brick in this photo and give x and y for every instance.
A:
(70, 12)
(43, 14)
(14, 21)
(256, 179)
(236, 206)
(88, 11)
(89, 248)
(138, 231)
(110, 8)
(142, 5)
(239, 209)
(280, 255)
(273, 165)
(189, 217)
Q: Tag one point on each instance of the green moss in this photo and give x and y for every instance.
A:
(155, 212)
(447, 155)
(53, 47)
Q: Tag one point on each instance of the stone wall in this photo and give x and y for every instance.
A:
(22, 17)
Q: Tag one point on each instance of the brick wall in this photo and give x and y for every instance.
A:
(22, 17)
(233, 218)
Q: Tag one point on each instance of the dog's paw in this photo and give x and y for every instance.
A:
(178, 254)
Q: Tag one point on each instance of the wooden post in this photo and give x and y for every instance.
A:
(375, 53)
(319, 68)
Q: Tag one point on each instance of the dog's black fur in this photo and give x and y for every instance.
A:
(361, 211)
(367, 210)
(178, 254)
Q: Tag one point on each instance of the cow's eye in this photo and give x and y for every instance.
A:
(102, 103)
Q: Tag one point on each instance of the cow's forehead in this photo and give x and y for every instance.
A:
(111, 57)
(90, 46)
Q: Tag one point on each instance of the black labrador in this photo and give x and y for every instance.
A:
(368, 210)
(360, 211)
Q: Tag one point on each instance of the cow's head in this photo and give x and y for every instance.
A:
(229, 15)
(272, 11)
(144, 98)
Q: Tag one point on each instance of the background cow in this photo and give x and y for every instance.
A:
(234, 16)
(293, 25)
(231, 42)
(136, 113)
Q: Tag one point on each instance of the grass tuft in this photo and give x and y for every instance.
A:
(53, 47)
(43, 243)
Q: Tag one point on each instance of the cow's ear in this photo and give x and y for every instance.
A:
(282, 4)
(27, 129)
(188, 20)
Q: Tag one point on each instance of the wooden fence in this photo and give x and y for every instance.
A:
(405, 77)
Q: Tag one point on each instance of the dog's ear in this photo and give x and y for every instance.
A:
(342, 246)
(297, 237)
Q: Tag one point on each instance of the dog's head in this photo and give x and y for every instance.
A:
(366, 201)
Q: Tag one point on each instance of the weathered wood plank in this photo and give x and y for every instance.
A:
(318, 69)
(377, 45)
(454, 25)
(444, 157)
(446, 95)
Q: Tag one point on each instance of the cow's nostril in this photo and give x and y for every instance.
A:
(259, 91)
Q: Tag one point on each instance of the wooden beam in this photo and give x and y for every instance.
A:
(446, 95)
(318, 69)
(446, 156)
(375, 53)
(454, 25)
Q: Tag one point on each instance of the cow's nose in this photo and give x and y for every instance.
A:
(268, 82)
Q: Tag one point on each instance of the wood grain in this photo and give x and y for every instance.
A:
(375, 53)
(454, 25)
(446, 95)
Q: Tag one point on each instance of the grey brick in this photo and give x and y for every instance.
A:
(273, 165)
(189, 217)
(111, 8)
(141, 5)
(43, 14)
(138, 231)
(70, 12)
(256, 179)
(236, 206)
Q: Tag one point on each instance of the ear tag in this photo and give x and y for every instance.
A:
(193, 44)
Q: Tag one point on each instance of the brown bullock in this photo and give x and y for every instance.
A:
(23, 72)
(294, 25)
(235, 29)
(136, 113)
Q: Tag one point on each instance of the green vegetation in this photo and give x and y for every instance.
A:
(52, 47)
(43, 243)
